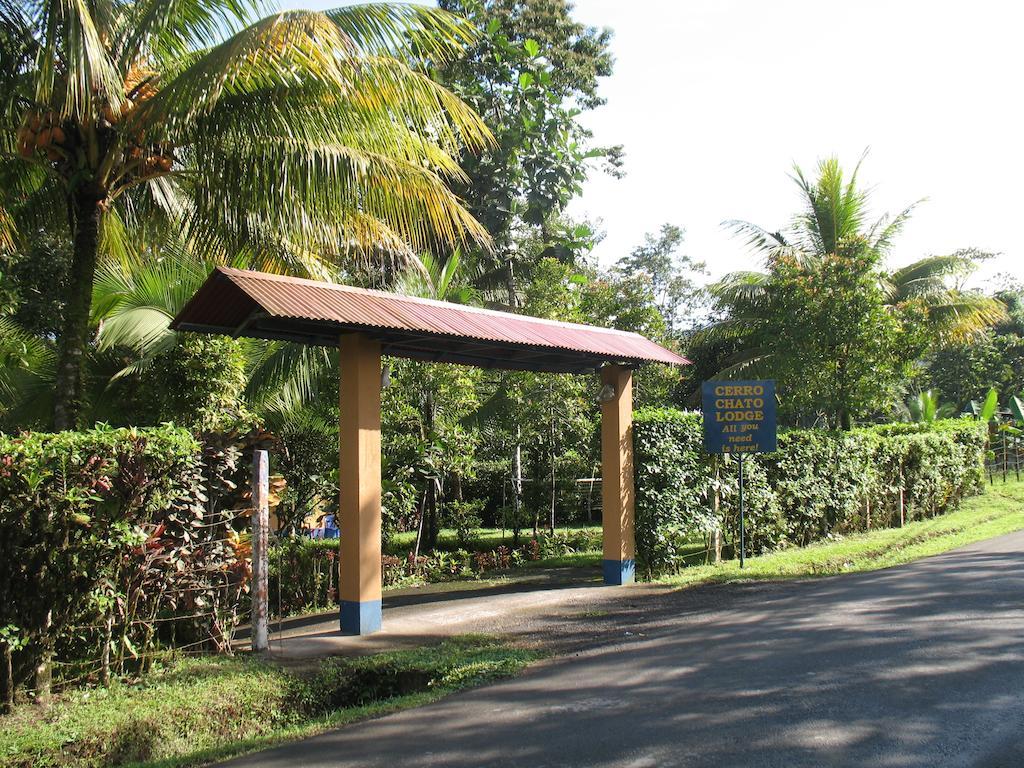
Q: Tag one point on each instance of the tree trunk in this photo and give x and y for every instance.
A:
(86, 213)
(419, 528)
(429, 419)
(432, 522)
(517, 487)
(44, 670)
(108, 632)
(510, 286)
(551, 455)
(7, 681)
(554, 497)
(554, 486)
(845, 419)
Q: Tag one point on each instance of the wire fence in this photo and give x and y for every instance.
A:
(183, 592)
(1006, 452)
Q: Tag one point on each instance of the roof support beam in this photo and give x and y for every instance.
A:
(359, 481)
(617, 497)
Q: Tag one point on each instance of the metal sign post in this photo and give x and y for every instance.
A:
(739, 417)
(743, 543)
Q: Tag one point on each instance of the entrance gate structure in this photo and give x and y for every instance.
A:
(364, 325)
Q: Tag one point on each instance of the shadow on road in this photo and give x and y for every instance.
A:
(915, 666)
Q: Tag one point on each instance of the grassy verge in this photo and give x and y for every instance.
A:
(998, 510)
(201, 710)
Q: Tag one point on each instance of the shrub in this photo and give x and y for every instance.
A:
(72, 505)
(818, 483)
(464, 517)
(672, 479)
(302, 574)
(127, 540)
(565, 543)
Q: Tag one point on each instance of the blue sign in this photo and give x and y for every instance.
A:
(739, 416)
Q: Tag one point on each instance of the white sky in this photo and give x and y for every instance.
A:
(715, 100)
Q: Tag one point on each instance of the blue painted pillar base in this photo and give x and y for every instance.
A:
(360, 618)
(619, 572)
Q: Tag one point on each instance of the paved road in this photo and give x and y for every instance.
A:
(921, 665)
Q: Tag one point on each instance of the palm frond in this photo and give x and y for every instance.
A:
(960, 317)
(884, 231)
(927, 276)
(755, 362)
(286, 376)
(740, 289)
(28, 366)
(404, 31)
(169, 29)
(74, 65)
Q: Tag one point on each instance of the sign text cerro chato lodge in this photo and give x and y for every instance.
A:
(739, 416)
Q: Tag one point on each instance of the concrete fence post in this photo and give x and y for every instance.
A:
(260, 544)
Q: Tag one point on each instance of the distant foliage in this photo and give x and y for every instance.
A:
(817, 484)
(966, 372)
(208, 375)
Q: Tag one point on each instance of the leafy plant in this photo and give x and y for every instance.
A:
(72, 507)
(925, 407)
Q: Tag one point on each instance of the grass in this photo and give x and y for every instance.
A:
(206, 709)
(483, 538)
(998, 510)
(589, 557)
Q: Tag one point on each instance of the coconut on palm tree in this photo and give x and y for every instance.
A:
(302, 135)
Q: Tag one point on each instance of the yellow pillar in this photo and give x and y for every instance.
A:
(617, 476)
(359, 578)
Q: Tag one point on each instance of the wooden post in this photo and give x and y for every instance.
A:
(260, 544)
(617, 476)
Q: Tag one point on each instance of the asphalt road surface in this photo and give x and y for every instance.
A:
(921, 665)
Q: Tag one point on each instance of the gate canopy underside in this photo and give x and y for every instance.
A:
(239, 302)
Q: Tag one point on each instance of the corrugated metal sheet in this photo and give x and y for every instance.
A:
(217, 307)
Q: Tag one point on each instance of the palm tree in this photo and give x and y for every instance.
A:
(305, 135)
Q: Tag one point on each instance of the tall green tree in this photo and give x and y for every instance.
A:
(670, 273)
(531, 72)
(304, 134)
(827, 318)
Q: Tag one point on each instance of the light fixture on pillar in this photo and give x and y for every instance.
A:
(385, 376)
(606, 394)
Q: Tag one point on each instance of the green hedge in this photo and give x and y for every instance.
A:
(71, 504)
(126, 541)
(817, 484)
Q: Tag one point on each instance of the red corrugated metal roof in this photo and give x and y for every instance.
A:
(274, 306)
